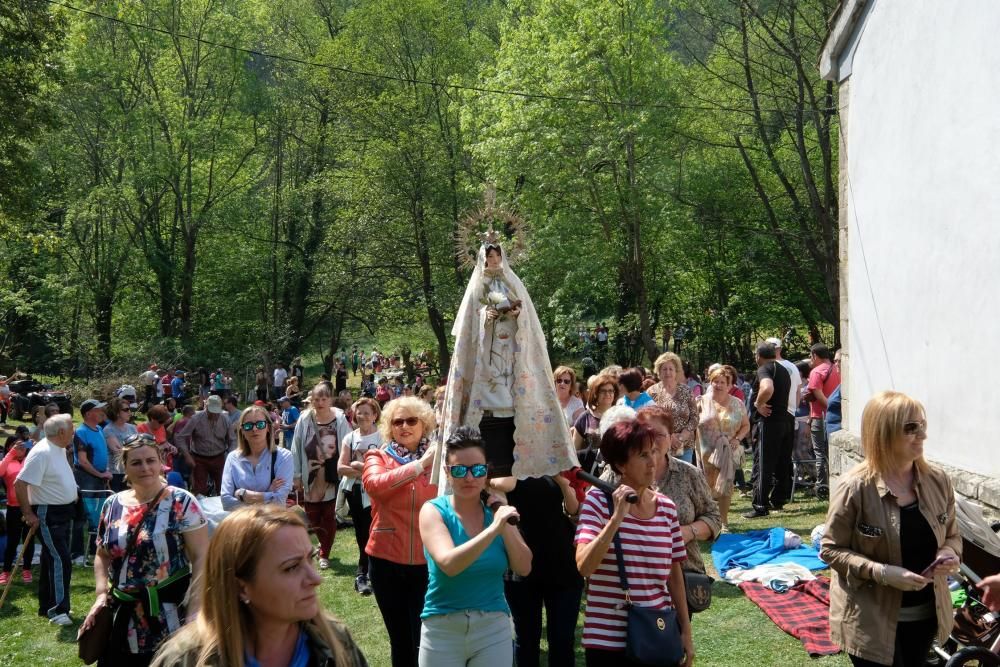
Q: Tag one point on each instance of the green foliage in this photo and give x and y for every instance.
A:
(674, 162)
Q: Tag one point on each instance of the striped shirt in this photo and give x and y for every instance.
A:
(649, 547)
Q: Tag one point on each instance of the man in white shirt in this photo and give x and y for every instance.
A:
(148, 382)
(280, 375)
(46, 491)
(793, 373)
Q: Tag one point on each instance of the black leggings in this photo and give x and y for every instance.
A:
(399, 592)
(362, 518)
(913, 642)
(17, 530)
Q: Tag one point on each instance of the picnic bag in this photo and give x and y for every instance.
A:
(652, 636)
(93, 642)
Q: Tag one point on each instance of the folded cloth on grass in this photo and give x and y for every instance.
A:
(757, 547)
(788, 574)
(802, 611)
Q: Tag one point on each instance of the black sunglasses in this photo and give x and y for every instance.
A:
(249, 426)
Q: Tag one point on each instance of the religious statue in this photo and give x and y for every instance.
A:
(500, 378)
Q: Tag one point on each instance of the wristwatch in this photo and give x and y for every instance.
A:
(241, 494)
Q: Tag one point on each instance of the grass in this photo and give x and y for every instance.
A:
(732, 632)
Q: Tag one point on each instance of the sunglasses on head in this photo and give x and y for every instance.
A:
(409, 421)
(138, 440)
(478, 470)
(259, 425)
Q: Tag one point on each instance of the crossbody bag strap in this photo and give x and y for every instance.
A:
(134, 535)
(274, 462)
(622, 577)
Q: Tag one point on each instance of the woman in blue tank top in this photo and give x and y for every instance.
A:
(466, 620)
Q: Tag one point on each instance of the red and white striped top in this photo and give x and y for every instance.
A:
(649, 548)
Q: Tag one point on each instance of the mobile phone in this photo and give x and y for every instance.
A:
(937, 561)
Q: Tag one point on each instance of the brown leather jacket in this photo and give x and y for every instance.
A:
(397, 492)
(862, 532)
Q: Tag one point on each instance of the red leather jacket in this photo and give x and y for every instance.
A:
(397, 492)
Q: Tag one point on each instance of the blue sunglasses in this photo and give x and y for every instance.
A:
(478, 470)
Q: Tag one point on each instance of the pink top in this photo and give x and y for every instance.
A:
(827, 377)
(649, 547)
(9, 468)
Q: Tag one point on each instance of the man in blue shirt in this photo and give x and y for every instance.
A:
(90, 453)
(289, 417)
(177, 388)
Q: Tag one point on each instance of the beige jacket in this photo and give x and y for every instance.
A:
(862, 532)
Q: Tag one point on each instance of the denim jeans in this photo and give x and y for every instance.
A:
(466, 639)
(562, 606)
(54, 523)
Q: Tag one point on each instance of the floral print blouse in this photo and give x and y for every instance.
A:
(158, 553)
(682, 407)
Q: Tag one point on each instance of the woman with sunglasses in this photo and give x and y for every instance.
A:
(572, 406)
(256, 471)
(468, 547)
(397, 478)
(891, 540)
(151, 542)
(118, 429)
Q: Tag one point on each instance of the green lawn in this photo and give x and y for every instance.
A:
(732, 632)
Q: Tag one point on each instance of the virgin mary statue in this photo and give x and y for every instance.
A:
(500, 379)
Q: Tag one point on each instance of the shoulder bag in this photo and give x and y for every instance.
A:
(93, 642)
(652, 636)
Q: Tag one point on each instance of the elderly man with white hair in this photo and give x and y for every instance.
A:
(46, 491)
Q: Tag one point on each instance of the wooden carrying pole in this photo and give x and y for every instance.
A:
(6, 589)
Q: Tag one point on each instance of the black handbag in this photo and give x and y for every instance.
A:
(652, 636)
(699, 591)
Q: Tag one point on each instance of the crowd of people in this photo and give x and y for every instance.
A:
(461, 555)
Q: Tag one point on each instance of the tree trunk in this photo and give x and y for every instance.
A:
(434, 315)
(103, 305)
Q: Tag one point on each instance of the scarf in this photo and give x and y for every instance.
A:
(402, 455)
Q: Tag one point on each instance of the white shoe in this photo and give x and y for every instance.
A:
(324, 564)
(61, 619)
(81, 561)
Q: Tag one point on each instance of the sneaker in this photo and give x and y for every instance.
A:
(362, 586)
(26, 576)
(81, 561)
(4, 578)
(324, 564)
(755, 513)
(61, 619)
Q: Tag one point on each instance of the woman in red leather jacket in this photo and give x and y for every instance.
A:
(397, 478)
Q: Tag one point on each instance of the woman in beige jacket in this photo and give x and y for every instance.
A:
(891, 540)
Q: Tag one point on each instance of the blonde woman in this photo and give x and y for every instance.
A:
(257, 471)
(673, 394)
(398, 479)
(259, 603)
(891, 540)
(722, 424)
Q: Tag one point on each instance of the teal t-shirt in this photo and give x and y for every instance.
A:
(478, 587)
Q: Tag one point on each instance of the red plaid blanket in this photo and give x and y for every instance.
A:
(803, 612)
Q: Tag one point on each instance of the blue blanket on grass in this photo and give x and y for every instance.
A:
(757, 547)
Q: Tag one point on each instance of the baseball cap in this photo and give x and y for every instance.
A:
(214, 404)
(284, 399)
(260, 404)
(774, 341)
(89, 405)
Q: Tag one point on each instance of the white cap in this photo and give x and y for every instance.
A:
(774, 341)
